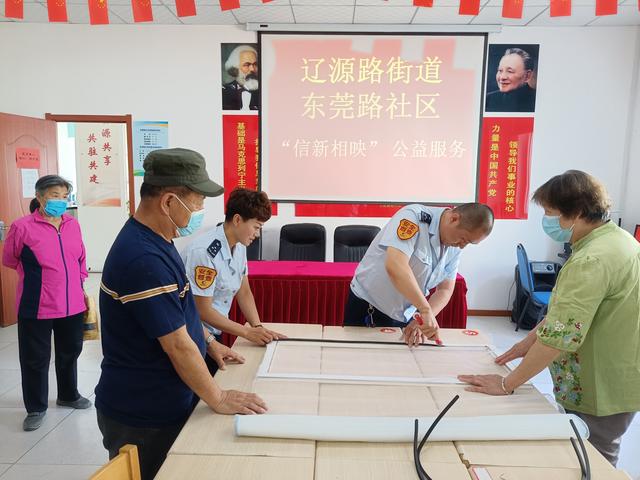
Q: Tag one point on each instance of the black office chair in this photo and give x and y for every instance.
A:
(350, 242)
(539, 298)
(254, 250)
(303, 242)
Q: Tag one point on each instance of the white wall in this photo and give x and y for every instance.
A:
(585, 111)
(631, 206)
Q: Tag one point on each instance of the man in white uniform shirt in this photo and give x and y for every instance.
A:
(419, 249)
(216, 265)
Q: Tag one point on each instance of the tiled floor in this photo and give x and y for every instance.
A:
(68, 445)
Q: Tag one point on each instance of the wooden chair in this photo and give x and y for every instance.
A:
(126, 466)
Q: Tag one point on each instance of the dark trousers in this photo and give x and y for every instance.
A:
(357, 309)
(211, 363)
(605, 433)
(153, 443)
(34, 344)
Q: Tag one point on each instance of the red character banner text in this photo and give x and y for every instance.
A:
(241, 154)
(505, 159)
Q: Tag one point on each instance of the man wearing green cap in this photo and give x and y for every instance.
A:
(153, 370)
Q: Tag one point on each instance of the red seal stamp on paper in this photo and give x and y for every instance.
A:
(471, 333)
(388, 330)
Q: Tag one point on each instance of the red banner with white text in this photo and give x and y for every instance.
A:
(505, 160)
(241, 154)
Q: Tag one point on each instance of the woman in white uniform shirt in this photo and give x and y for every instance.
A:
(216, 265)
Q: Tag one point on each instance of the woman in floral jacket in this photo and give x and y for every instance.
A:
(590, 338)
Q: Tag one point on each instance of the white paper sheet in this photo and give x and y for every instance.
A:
(29, 178)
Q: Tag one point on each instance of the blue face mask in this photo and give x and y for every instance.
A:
(55, 208)
(551, 226)
(195, 222)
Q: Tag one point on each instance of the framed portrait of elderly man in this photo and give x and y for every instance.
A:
(240, 80)
(512, 78)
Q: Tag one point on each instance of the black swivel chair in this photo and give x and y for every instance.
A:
(303, 242)
(350, 242)
(254, 250)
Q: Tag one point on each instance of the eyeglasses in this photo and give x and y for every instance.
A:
(583, 458)
(417, 448)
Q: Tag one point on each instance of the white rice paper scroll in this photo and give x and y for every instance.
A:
(400, 429)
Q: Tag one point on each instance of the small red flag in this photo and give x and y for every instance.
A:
(57, 10)
(560, 8)
(186, 8)
(13, 9)
(142, 10)
(423, 3)
(469, 7)
(512, 8)
(606, 7)
(229, 4)
(98, 12)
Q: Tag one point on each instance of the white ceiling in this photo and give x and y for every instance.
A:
(536, 13)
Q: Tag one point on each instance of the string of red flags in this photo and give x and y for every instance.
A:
(143, 12)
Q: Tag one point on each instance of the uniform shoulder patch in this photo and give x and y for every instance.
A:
(205, 276)
(425, 217)
(407, 229)
(214, 248)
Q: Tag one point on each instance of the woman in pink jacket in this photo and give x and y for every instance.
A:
(46, 250)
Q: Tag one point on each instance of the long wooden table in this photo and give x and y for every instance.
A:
(208, 448)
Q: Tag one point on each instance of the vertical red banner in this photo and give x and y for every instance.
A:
(185, 8)
(241, 154)
(142, 11)
(98, 12)
(505, 159)
(469, 7)
(57, 10)
(14, 9)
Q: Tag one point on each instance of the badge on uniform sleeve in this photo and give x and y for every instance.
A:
(406, 229)
(214, 248)
(205, 276)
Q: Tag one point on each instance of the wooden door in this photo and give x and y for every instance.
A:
(18, 133)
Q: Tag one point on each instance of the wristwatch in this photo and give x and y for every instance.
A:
(210, 339)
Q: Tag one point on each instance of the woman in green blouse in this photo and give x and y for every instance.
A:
(590, 337)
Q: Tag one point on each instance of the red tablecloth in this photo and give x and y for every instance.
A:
(316, 292)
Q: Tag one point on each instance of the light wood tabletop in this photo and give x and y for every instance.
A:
(207, 447)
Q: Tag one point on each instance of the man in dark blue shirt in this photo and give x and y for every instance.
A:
(154, 345)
